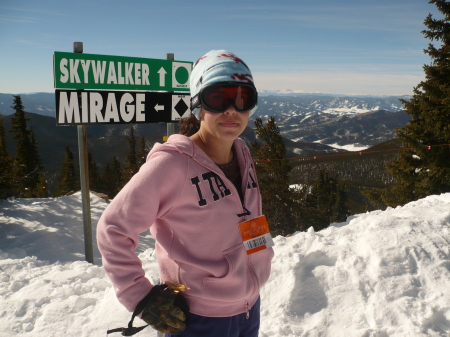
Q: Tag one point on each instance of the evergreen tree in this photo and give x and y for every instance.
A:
(131, 162)
(3, 149)
(107, 186)
(67, 181)
(325, 191)
(325, 203)
(116, 175)
(27, 164)
(273, 176)
(142, 155)
(36, 175)
(424, 168)
(22, 135)
(112, 178)
(340, 208)
(5, 166)
(94, 178)
(41, 187)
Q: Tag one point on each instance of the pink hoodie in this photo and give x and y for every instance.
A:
(193, 211)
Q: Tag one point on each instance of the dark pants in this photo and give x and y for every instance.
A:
(234, 326)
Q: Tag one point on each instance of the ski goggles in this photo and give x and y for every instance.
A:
(218, 97)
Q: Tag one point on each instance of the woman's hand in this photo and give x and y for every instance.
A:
(166, 310)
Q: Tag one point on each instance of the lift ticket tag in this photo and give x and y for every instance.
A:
(255, 234)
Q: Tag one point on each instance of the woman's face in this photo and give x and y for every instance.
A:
(225, 126)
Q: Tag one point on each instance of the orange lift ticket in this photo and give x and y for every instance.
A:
(256, 234)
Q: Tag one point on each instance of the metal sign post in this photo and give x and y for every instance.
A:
(84, 180)
(170, 131)
(170, 126)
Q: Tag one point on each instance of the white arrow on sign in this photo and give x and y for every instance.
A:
(159, 107)
(162, 77)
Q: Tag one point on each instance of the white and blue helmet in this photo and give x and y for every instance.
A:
(218, 66)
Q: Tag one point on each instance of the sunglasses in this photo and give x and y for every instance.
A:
(218, 97)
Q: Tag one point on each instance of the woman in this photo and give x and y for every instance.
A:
(200, 199)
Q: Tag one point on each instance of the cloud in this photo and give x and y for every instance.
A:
(19, 19)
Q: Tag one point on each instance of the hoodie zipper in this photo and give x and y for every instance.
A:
(247, 310)
(244, 214)
(244, 182)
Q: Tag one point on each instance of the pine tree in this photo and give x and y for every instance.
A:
(5, 166)
(340, 208)
(112, 178)
(27, 165)
(41, 187)
(22, 135)
(424, 168)
(67, 181)
(116, 175)
(142, 155)
(131, 162)
(3, 149)
(94, 178)
(36, 175)
(273, 176)
(107, 185)
(325, 203)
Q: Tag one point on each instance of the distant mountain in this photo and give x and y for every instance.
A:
(309, 123)
(307, 105)
(288, 92)
(361, 130)
(273, 104)
(338, 121)
(42, 103)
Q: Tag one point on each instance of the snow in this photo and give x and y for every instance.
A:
(346, 110)
(381, 273)
(349, 147)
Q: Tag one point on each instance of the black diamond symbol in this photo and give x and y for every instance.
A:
(181, 107)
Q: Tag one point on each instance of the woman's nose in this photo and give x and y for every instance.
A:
(231, 110)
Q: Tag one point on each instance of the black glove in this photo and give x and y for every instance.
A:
(166, 310)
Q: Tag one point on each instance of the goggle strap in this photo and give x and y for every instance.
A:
(195, 101)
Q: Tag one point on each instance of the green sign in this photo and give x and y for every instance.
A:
(103, 72)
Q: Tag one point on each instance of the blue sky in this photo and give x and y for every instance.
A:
(340, 47)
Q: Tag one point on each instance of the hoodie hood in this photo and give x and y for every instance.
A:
(177, 142)
(183, 144)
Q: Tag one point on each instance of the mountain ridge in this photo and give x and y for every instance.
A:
(309, 124)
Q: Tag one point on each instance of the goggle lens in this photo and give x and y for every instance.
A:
(218, 98)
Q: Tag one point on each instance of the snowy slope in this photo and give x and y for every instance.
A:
(383, 273)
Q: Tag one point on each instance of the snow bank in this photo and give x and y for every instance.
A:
(379, 274)
(383, 273)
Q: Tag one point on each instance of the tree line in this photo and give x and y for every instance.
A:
(111, 178)
(291, 208)
(22, 174)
